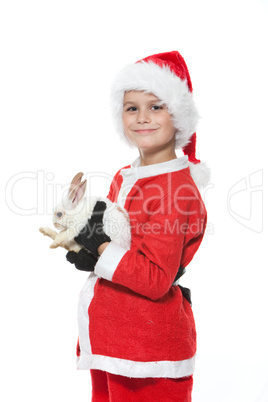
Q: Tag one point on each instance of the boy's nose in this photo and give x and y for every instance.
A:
(143, 117)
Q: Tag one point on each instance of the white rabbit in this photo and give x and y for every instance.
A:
(72, 214)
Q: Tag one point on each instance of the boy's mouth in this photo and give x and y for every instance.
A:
(145, 131)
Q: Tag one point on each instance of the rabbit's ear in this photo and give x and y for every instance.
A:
(76, 181)
(77, 193)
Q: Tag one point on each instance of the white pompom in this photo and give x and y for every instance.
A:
(200, 173)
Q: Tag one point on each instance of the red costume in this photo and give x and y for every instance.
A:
(108, 387)
(136, 326)
(133, 319)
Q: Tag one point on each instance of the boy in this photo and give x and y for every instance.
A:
(136, 327)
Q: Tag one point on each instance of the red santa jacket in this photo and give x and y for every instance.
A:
(133, 320)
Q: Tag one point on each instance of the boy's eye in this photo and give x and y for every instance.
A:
(153, 107)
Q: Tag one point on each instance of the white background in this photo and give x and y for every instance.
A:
(58, 59)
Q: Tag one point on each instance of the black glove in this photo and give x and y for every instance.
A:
(82, 260)
(92, 235)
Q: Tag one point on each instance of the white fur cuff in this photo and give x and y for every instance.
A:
(109, 261)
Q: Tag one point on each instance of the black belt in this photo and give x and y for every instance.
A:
(185, 291)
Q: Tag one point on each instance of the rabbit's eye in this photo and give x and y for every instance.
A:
(59, 214)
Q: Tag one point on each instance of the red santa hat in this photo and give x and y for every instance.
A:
(166, 76)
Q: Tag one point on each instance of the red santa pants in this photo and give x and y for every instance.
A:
(108, 387)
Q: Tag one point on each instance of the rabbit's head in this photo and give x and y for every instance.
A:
(67, 211)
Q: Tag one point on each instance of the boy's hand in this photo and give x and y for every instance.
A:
(82, 260)
(93, 235)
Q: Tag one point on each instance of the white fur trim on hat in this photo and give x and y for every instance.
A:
(165, 85)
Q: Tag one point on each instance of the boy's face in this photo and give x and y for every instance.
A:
(147, 124)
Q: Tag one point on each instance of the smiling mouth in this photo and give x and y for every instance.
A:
(147, 131)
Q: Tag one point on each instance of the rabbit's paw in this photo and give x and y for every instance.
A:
(73, 246)
(59, 239)
(46, 231)
(54, 245)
